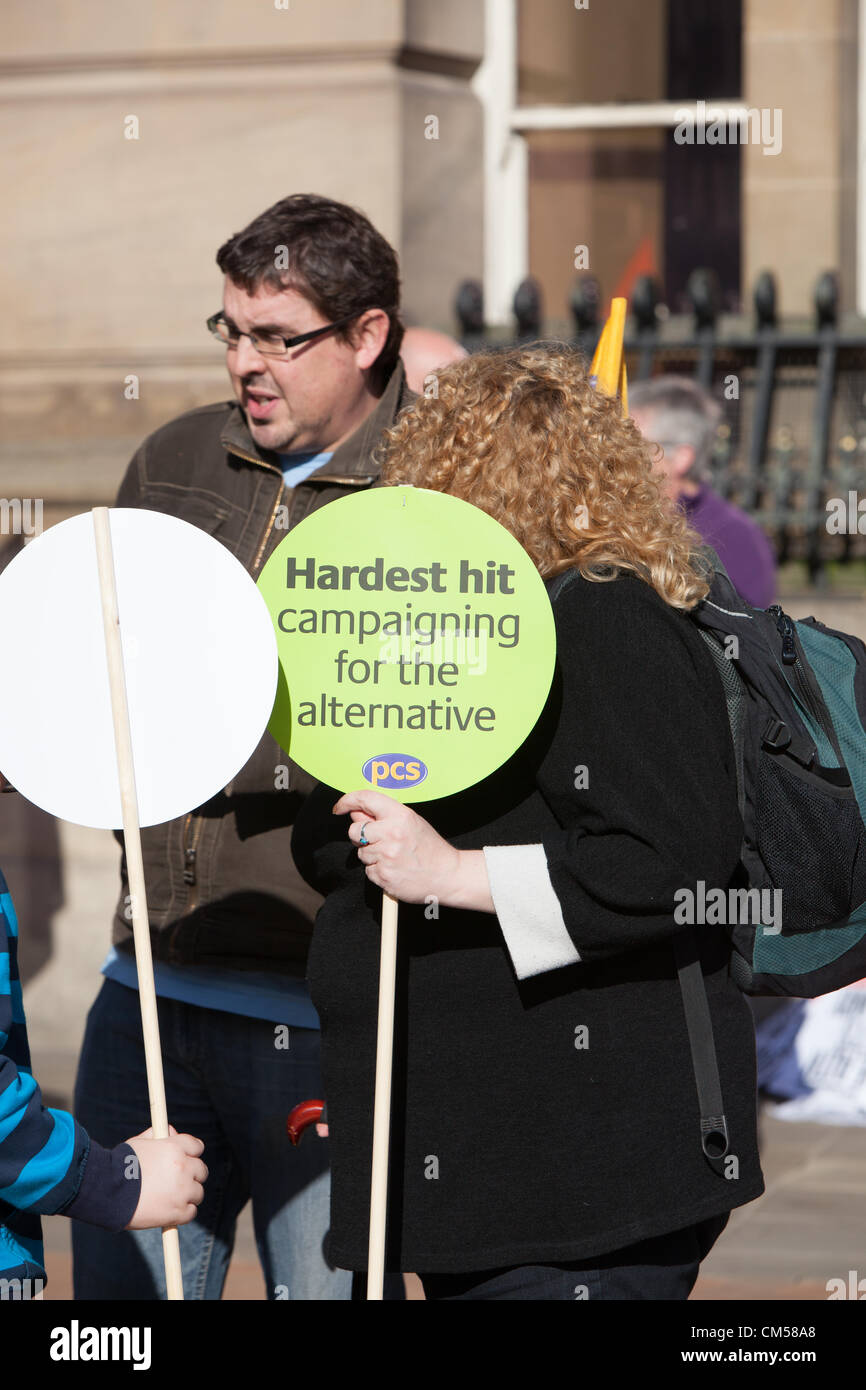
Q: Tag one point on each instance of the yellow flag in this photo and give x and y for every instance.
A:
(608, 363)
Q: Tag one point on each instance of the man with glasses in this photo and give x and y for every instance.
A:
(310, 322)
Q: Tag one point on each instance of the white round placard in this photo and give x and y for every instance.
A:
(200, 662)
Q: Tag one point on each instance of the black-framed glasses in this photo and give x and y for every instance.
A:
(269, 344)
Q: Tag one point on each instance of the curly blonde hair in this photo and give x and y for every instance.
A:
(524, 436)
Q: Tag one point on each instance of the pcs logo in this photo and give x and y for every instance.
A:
(394, 770)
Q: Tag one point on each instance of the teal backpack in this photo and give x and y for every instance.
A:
(796, 700)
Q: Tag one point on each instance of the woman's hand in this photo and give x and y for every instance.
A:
(405, 856)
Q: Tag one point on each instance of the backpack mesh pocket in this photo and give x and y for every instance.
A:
(811, 842)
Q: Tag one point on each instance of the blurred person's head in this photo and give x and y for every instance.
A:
(680, 417)
(522, 435)
(306, 263)
(424, 351)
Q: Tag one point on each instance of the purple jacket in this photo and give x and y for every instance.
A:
(738, 541)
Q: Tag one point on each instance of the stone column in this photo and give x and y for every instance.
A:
(799, 204)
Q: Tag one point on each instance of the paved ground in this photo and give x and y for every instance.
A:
(810, 1224)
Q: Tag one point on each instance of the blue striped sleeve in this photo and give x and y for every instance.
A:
(42, 1152)
(45, 1165)
(7, 908)
(47, 1161)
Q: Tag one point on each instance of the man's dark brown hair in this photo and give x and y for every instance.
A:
(330, 253)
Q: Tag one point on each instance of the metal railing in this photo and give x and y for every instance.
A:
(791, 445)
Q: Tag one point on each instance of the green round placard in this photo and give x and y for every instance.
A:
(416, 643)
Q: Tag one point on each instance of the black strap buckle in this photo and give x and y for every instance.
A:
(715, 1142)
(777, 735)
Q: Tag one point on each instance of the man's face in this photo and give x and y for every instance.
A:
(677, 459)
(305, 400)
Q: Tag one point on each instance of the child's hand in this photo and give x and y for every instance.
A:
(172, 1174)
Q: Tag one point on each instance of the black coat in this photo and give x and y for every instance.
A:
(516, 1138)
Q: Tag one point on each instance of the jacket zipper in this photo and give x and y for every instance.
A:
(190, 875)
(190, 849)
(335, 479)
(271, 519)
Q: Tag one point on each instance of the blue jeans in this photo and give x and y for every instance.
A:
(229, 1085)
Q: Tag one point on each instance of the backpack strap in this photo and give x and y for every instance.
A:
(735, 700)
(714, 1126)
(712, 558)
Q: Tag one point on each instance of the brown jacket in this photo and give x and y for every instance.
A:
(222, 887)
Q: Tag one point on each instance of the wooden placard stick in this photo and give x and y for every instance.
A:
(382, 1103)
(135, 868)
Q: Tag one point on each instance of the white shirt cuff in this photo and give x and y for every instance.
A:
(528, 909)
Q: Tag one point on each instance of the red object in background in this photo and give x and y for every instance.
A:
(304, 1114)
(641, 262)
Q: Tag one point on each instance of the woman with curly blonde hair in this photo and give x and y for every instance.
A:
(545, 1133)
